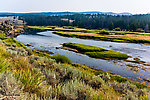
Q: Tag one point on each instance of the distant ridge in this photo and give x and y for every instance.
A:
(62, 13)
(107, 13)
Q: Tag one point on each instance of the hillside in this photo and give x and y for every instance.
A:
(30, 74)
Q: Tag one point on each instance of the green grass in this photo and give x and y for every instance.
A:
(125, 32)
(72, 29)
(148, 34)
(117, 33)
(96, 52)
(84, 48)
(107, 54)
(39, 28)
(65, 28)
(103, 38)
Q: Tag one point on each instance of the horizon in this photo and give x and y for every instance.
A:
(116, 6)
(59, 11)
(71, 11)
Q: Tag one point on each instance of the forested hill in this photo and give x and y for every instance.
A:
(92, 21)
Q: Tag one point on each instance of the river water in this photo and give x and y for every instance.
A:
(49, 41)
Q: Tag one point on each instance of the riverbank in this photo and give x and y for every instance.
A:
(113, 36)
(41, 76)
(101, 37)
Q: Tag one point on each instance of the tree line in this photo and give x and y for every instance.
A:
(92, 21)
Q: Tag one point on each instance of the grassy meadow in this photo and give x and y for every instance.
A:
(103, 37)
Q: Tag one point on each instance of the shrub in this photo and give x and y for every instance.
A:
(68, 27)
(53, 27)
(29, 51)
(4, 66)
(118, 78)
(120, 33)
(140, 86)
(32, 80)
(104, 32)
(139, 30)
(9, 86)
(75, 90)
(117, 29)
(61, 59)
(96, 82)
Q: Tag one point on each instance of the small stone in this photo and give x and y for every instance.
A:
(29, 44)
(110, 46)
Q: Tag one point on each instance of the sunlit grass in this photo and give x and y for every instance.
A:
(103, 37)
(96, 52)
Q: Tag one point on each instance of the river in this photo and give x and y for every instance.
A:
(49, 41)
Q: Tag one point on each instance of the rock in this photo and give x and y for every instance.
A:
(137, 59)
(29, 44)
(57, 47)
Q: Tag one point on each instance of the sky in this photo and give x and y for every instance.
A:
(117, 6)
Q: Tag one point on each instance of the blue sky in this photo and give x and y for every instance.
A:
(132, 6)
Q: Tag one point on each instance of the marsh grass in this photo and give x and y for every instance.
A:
(84, 48)
(107, 54)
(103, 38)
(96, 52)
(39, 28)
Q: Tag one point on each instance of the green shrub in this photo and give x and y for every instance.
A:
(139, 30)
(104, 32)
(53, 27)
(29, 51)
(117, 29)
(140, 86)
(61, 59)
(68, 27)
(118, 78)
(120, 33)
